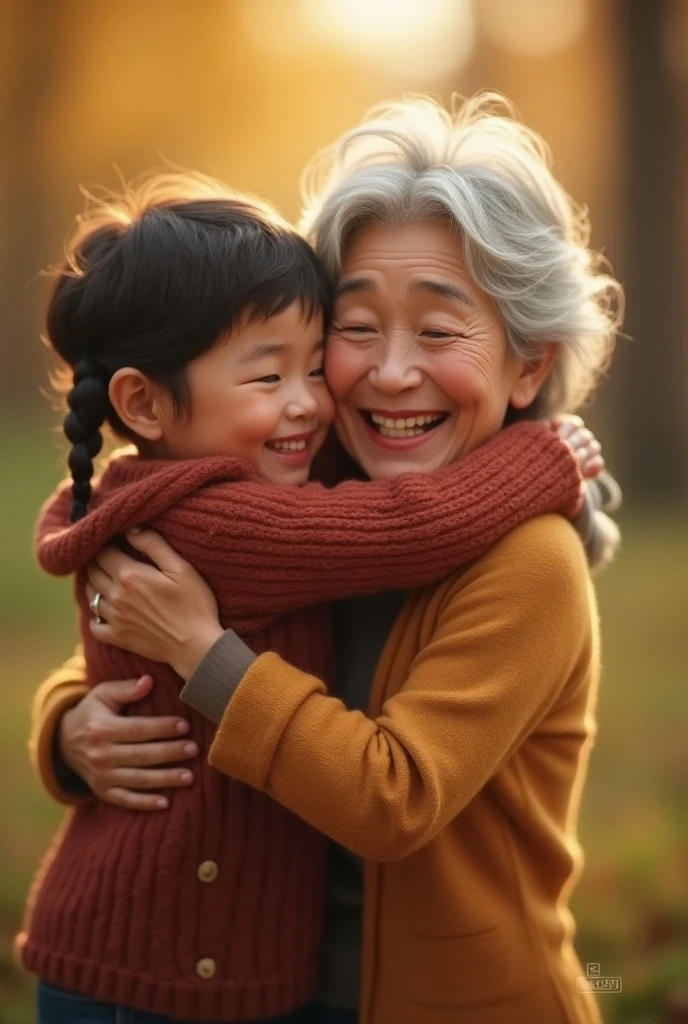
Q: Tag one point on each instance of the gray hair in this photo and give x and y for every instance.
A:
(524, 241)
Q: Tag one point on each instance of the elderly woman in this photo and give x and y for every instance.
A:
(453, 756)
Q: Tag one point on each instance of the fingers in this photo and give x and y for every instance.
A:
(112, 561)
(123, 691)
(566, 425)
(134, 801)
(592, 467)
(580, 438)
(150, 778)
(149, 755)
(101, 631)
(153, 546)
(104, 606)
(584, 444)
(140, 729)
(98, 580)
(588, 451)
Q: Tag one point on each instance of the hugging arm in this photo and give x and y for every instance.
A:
(82, 746)
(62, 690)
(274, 550)
(515, 629)
(167, 612)
(509, 496)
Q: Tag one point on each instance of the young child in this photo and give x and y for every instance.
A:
(193, 321)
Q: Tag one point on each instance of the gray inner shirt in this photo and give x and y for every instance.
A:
(361, 627)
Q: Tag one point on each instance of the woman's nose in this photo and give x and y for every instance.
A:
(395, 374)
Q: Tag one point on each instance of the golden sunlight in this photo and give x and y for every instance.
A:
(411, 38)
(532, 28)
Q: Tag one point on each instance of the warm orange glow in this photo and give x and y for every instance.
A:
(532, 28)
(413, 38)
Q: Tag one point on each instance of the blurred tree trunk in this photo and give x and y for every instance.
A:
(651, 368)
(37, 29)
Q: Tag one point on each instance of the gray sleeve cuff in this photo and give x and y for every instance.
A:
(217, 676)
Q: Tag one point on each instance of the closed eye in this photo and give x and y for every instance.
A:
(357, 329)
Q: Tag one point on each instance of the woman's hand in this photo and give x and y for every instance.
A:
(165, 611)
(120, 757)
(582, 442)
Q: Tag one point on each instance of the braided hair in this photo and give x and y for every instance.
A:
(88, 408)
(155, 278)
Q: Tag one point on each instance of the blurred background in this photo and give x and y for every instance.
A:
(247, 90)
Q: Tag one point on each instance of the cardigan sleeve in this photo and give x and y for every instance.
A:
(277, 549)
(58, 693)
(516, 627)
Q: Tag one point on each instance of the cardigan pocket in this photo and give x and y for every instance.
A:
(459, 970)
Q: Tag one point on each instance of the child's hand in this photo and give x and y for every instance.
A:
(120, 757)
(582, 442)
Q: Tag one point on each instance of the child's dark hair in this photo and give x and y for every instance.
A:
(158, 276)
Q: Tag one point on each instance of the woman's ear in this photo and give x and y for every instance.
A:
(531, 377)
(136, 400)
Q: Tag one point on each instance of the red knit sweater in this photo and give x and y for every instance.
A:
(119, 911)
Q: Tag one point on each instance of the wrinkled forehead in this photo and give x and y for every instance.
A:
(421, 260)
(416, 240)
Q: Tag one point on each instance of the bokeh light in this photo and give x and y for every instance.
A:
(532, 28)
(413, 38)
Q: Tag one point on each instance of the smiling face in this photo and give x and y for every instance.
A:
(260, 396)
(418, 359)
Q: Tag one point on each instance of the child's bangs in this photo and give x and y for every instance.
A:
(276, 280)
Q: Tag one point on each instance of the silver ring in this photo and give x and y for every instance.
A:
(94, 605)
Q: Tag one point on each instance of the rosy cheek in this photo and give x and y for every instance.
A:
(326, 407)
(455, 376)
(345, 366)
(256, 419)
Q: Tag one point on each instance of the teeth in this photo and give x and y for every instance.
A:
(287, 446)
(403, 427)
(399, 432)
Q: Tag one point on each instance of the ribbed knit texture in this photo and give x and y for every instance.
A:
(271, 549)
(118, 912)
(217, 676)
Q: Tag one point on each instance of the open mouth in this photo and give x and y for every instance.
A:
(402, 427)
(286, 446)
(295, 450)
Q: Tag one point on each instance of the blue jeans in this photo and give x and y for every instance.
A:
(57, 1006)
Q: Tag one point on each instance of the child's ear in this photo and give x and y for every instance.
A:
(531, 377)
(136, 400)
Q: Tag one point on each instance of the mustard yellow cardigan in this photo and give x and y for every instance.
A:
(460, 788)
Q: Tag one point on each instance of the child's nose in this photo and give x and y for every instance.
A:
(304, 405)
(302, 402)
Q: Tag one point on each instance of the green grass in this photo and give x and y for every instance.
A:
(632, 902)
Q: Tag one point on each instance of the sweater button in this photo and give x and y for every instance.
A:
(207, 871)
(206, 968)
